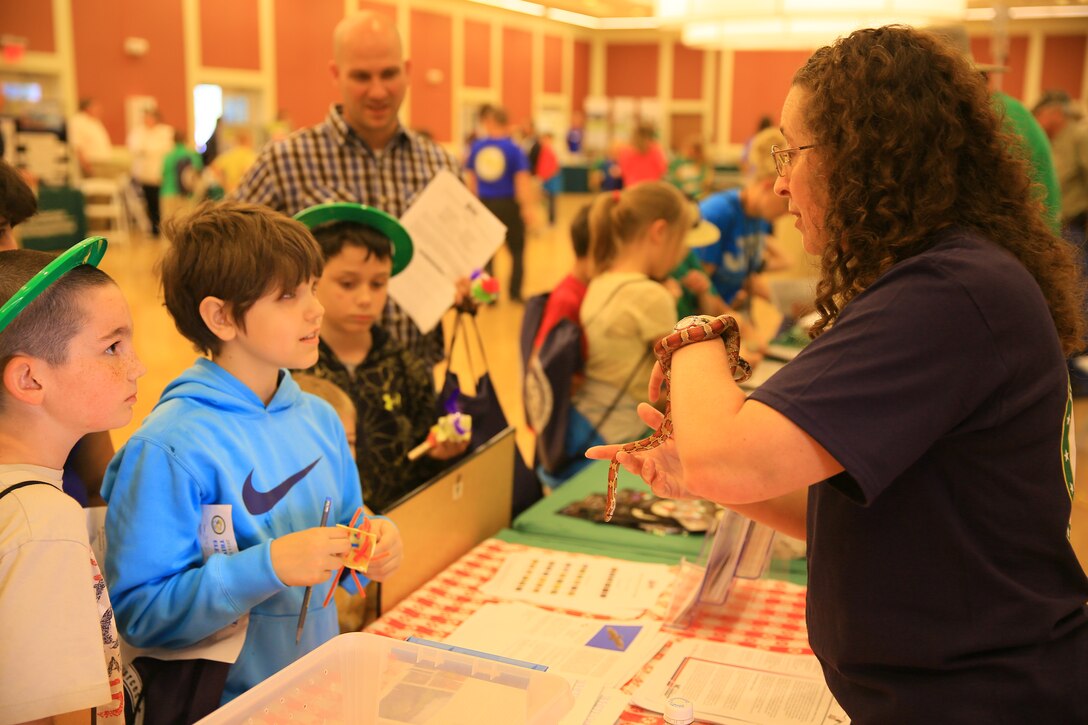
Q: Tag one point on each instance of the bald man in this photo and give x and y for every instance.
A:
(360, 152)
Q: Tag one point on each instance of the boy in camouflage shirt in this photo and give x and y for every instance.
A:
(393, 390)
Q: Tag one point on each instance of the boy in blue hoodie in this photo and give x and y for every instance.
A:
(214, 503)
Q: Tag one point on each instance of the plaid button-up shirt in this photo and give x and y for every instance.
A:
(329, 162)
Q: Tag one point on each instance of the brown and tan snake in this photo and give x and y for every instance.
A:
(696, 328)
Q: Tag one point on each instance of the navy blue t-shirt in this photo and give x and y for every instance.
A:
(942, 585)
(495, 162)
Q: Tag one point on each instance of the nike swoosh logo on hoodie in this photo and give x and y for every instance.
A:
(261, 502)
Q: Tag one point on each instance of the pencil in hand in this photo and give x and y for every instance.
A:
(310, 589)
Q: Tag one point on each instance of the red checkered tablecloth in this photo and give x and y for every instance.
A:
(762, 613)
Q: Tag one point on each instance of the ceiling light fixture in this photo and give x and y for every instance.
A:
(571, 18)
(517, 6)
(800, 24)
(1041, 12)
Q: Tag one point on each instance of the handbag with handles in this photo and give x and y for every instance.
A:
(488, 418)
(482, 403)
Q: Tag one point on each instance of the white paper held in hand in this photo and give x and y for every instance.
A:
(453, 234)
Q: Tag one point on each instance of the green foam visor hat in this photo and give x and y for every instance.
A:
(89, 251)
(344, 211)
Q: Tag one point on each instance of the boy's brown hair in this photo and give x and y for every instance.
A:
(17, 202)
(234, 251)
(333, 236)
(579, 232)
(46, 327)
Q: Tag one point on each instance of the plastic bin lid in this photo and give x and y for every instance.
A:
(360, 677)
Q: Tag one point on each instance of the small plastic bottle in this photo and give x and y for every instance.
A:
(679, 711)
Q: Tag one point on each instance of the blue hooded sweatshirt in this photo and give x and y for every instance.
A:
(210, 440)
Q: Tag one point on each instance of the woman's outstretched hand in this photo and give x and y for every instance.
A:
(660, 467)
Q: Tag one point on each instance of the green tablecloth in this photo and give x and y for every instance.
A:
(543, 519)
(630, 553)
(542, 525)
(60, 221)
(575, 178)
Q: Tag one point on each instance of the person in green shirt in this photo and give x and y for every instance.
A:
(690, 171)
(180, 177)
(1019, 121)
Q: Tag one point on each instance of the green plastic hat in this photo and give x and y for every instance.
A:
(344, 211)
(89, 251)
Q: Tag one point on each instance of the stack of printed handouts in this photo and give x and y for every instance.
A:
(729, 684)
(579, 583)
(597, 656)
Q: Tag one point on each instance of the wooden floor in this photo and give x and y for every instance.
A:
(548, 256)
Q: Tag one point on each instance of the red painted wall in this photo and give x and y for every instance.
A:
(687, 73)
(1018, 61)
(517, 74)
(684, 127)
(580, 79)
(386, 9)
(761, 79)
(477, 54)
(631, 69)
(229, 34)
(553, 64)
(432, 52)
(716, 84)
(29, 19)
(104, 71)
(1063, 63)
(1012, 82)
(304, 85)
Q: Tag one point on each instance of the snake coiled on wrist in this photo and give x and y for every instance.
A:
(698, 328)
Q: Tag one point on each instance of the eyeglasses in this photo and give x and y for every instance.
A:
(89, 251)
(784, 157)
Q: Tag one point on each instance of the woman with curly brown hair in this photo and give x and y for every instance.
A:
(921, 442)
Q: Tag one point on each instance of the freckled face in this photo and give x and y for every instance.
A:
(94, 389)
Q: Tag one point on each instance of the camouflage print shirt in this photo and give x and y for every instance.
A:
(394, 397)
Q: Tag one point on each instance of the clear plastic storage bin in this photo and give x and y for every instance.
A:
(366, 678)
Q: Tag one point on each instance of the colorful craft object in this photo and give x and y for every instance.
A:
(363, 543)
(362, 548)
(485, 288)
(453, 427)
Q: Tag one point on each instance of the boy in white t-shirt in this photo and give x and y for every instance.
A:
(68, 368)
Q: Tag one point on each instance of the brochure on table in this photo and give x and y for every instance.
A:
(578, 647)
(729, 684)
(589, 584)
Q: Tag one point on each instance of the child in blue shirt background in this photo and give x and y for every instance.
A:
(744, 216)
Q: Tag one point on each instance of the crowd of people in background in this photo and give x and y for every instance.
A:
(260, 284)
